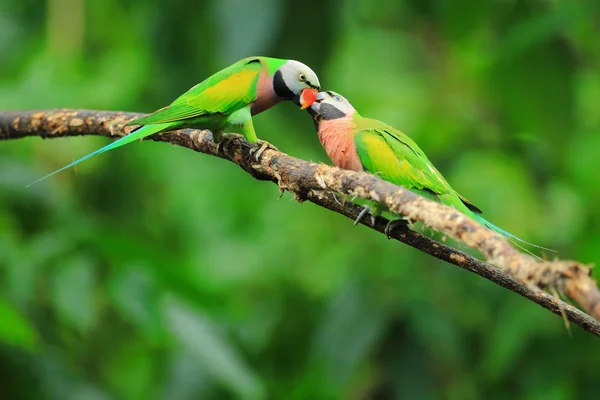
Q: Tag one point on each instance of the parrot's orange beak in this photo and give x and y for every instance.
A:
(308, 97)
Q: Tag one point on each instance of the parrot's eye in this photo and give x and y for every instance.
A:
(302, 77)
(337, 98)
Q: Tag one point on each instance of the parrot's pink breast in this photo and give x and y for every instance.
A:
(338, 141)
(265, 94)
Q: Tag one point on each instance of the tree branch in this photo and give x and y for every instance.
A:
(319, 184)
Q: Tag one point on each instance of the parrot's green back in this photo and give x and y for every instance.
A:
(393, 156)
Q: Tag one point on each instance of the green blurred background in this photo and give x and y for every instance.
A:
(154, 272)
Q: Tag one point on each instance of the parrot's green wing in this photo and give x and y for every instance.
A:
(395, 157)
(225, 92)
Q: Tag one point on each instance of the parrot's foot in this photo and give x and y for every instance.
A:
(258, 152)
(366, 210)
(220, 146)
(222, 138)
(391, 225)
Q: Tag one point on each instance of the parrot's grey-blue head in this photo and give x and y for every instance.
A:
(330, 105)
(297, 82)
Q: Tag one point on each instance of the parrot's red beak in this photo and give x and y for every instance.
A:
(307, 98)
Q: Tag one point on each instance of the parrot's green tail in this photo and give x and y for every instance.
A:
(140, 133)
(453, 200)
(509, 235)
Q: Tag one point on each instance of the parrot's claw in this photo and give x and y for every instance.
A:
(220, 147)
(366, 210)
(222, 139)
(258, 152)
(221, 142)
(391, 225)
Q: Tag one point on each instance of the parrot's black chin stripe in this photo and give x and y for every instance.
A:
(296, 100)
(313, 113)
(281, 88)
(324, 112)
(329, 111)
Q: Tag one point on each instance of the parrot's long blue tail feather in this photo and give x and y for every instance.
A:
(509, 235)
(139, 133)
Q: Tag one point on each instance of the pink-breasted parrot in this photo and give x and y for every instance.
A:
(230, 97)
(363, 144)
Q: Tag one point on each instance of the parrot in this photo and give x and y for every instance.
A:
(230, 97)
(363, 144)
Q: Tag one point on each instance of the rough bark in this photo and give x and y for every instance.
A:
(321, 184)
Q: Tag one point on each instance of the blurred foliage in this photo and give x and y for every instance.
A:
(154, 272)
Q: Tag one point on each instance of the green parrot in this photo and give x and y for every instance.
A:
(228, 98)
(363, 144)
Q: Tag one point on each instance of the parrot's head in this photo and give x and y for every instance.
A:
(330, 105)
(297, 82)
